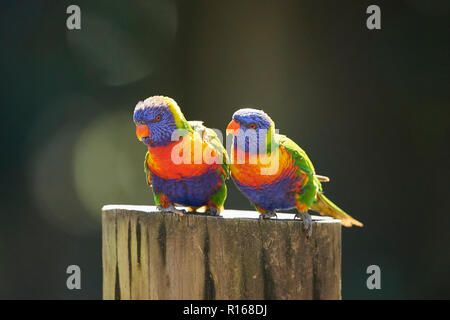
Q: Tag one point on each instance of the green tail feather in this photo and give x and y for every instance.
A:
(324, 206)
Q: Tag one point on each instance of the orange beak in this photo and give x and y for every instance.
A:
(142, 132)
(233, 128)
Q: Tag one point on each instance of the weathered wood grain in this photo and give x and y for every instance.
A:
(150, 255)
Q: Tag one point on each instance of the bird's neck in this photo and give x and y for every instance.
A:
(263, 145)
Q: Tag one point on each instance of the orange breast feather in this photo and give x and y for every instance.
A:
(191, 156)
(257, 171)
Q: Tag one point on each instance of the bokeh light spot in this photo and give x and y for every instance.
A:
(108, 164)
(120, 52)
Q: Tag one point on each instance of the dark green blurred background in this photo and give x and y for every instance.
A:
(371, 108)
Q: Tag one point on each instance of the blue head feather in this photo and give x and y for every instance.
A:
(155, 113)
(252, 121)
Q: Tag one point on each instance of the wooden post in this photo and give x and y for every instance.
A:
(151, 255)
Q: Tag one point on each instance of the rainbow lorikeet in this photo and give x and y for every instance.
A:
(273, 172)
(186, 164)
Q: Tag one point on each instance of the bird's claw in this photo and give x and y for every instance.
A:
(306, 218)
(212, 211)
(267, 215)
(171, 209)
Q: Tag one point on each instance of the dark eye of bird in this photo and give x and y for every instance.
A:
(252, 126)
(158, 118)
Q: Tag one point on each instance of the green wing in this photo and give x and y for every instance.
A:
(298, 154)
(147, 170)
(307, 195)
(214, 140)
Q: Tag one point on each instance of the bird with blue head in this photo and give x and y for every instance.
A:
(275, 173)
(193, 182)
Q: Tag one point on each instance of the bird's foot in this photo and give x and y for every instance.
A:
(171, 209)
(267, 215)
(306, 218)
(212, 211)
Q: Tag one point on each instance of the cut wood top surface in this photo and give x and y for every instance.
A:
(226, 214)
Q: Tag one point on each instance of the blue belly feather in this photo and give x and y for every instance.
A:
(191, 191)
(279, 194)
